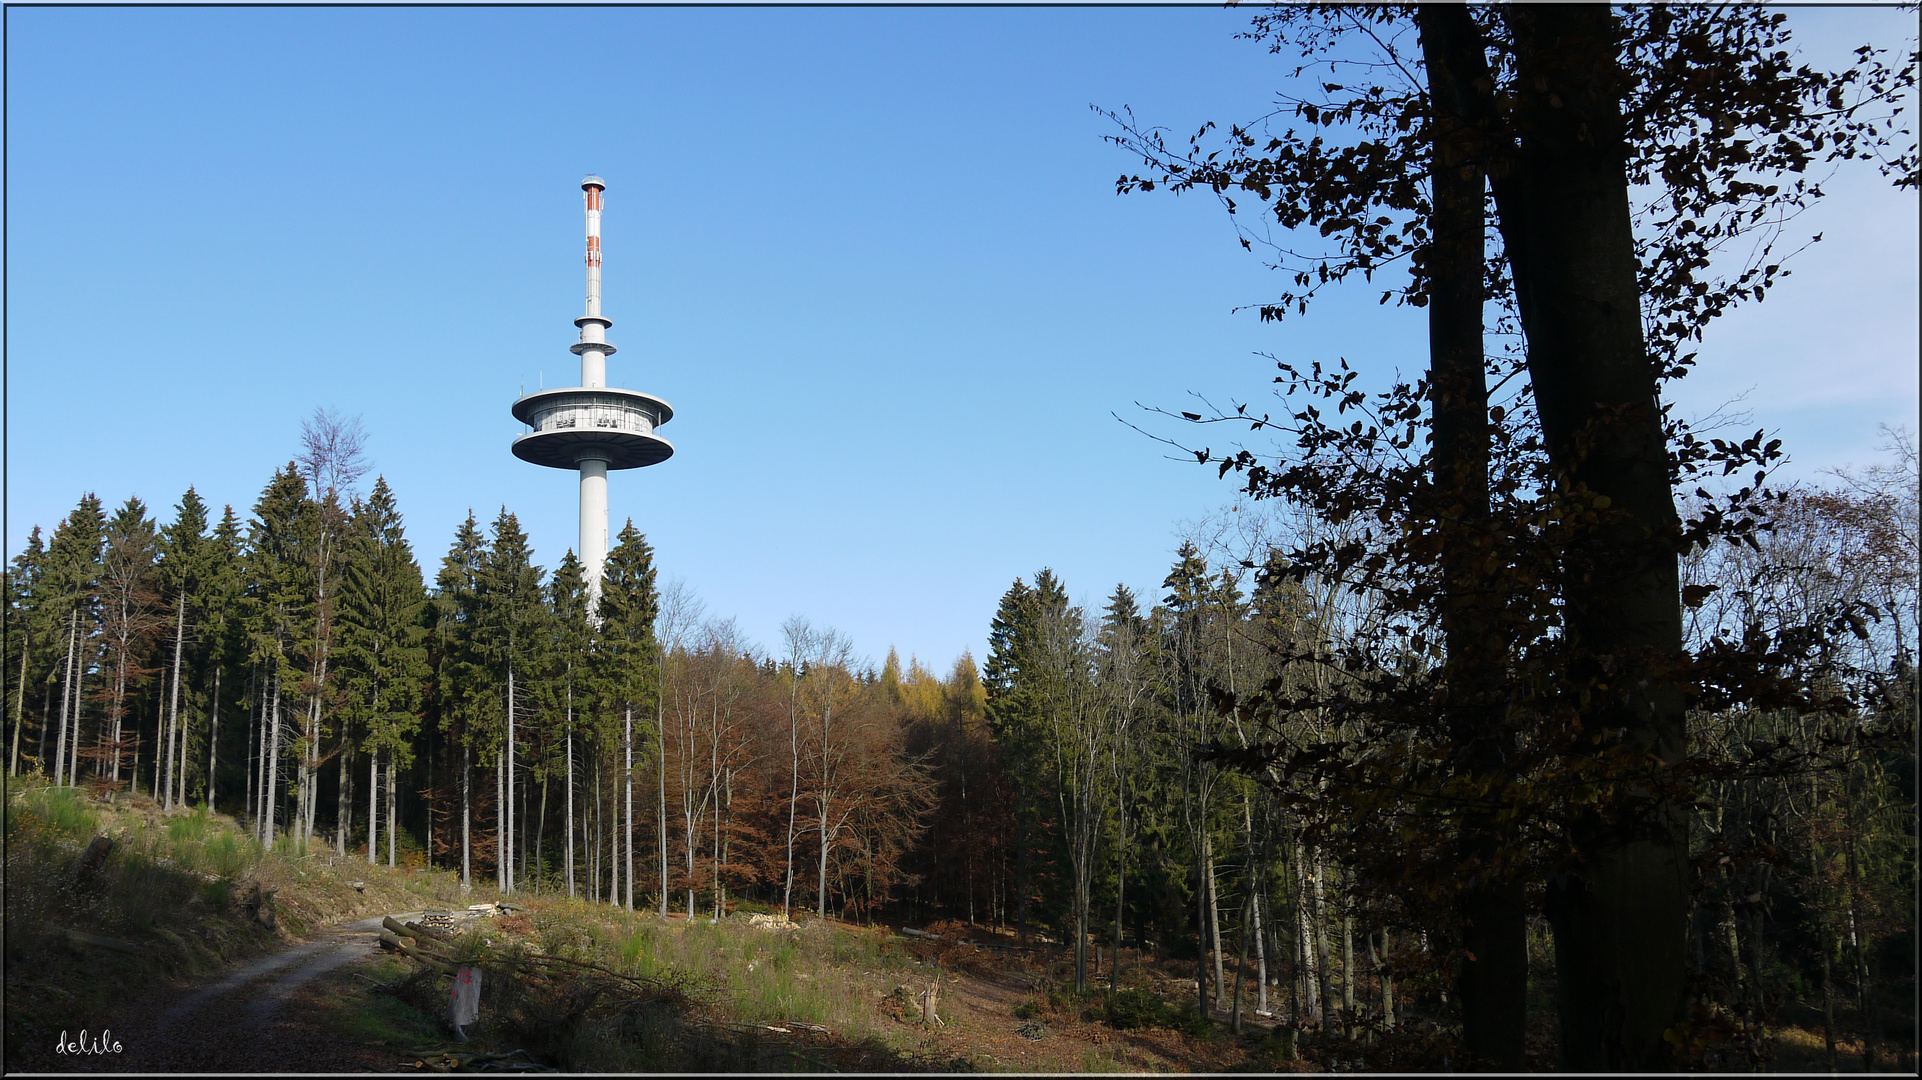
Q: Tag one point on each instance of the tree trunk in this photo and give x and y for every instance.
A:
(20, 705)
(627, 785)
(1201, 933)
(466, 818)
(270, 776)
(1021, 864)
(568, 815)
(343, 804)
(507, 776)
(593, 829)
(1348, 972)
(213, 736)
(1261, 954)
(1325, 990)
(1620, 911)
(502, 840)
(393, 816)
(660, 784)
(1387, 984)
(173, 703)
(253, 723)
(1494, 971)
(1120, 882)
(1828, 1003)
(1214, 921)
(1241, 965)
(821, 899)
(540, 832)
(1308, 971)
(66, 700)
(373, 804)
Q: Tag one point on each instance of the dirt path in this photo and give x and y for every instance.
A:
(266, 1015)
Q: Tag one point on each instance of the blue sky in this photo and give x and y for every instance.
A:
(873, 258)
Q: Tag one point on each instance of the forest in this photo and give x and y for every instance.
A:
(1500, 682)
(299, 671)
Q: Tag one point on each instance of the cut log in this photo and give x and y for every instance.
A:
(405, 947)
(418, 930)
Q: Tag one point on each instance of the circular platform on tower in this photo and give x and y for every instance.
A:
(599, 422)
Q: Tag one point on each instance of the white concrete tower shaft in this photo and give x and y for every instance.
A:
(593, 526)
(593, 327)
(592, 428)
(593, 375)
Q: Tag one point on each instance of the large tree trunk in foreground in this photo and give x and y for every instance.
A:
(1494, 969)
(1620, 905)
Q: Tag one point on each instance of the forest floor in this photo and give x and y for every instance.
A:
(193, 951)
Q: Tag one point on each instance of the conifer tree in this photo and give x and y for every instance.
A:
(73, 572)
(1011, 711)
(383, 657)
(28, 636)
(182, 572)
(571, 635)
(278, 604)
(459, 673)
(224, 644)
(128, 622)
(629, 662)
(508, 596)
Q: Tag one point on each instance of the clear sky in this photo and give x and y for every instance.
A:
(873, 258)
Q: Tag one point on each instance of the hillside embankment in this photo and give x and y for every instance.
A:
(144, 941)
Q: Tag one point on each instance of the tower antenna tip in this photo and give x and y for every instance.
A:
(592, 181)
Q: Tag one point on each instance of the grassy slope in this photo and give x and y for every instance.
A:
(183, 889)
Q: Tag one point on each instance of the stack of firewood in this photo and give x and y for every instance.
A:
(419, 942)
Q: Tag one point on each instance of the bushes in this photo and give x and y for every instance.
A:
(1138, 1009)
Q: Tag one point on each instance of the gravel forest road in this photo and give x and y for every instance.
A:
(264, 1016)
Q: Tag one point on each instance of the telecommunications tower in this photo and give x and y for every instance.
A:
(592, 427)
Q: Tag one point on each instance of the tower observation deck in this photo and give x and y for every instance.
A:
(593, 427)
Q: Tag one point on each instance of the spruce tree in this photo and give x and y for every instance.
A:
(182, 572)
(73, 572)
(1011, 711)
(383, 654)
(128, 622)
(459, 699)
(570, 641)
(506, 631)
(278, 605)
(628, 660)
(223, 637)
(29, 633)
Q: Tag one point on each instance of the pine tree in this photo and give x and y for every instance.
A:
(128, 623)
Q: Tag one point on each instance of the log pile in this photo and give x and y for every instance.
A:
(419, 943)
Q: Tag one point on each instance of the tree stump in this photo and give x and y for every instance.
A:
(91, 861)
(928, 999)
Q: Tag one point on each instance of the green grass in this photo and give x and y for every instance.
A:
(752, 975)
(371, 1015)
(48, 813)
